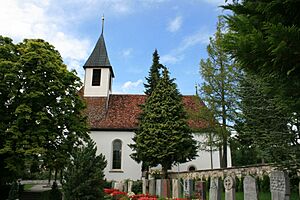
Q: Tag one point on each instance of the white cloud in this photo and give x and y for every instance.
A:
(177, 54)
(200, 37)
(170, 59)
(132, 87)
(175, 24)
(214, 2)
(32, 19)
(127, 52)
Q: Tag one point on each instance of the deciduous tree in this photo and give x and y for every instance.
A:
(220, 77)
(43, 109)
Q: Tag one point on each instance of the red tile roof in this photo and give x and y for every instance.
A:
(121, 111)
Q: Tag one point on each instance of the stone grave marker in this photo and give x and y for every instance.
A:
(279, 185)
(145, 182)
(165, 189)
(187, 188)
(200, 190)
(250, 188)
(176, 188)
(158, 187)
(215, 189)
(130, 183)
(119, 186)
(152, 187)
(125, 186)
(229, 185)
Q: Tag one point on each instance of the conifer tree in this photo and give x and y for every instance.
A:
(84, 177)
(220, 80)
(264, 38)
(154, 74)
(163, 136)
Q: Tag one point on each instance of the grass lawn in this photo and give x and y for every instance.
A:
(27, 187)
(262, 196)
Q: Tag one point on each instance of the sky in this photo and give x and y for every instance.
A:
(133, 29)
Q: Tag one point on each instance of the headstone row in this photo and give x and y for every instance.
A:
(188, 188)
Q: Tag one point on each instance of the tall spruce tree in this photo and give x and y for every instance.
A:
(84, 176)
(220, 80)
(154, 74)
(163, 135)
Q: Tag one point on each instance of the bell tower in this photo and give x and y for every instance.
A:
(98, 71)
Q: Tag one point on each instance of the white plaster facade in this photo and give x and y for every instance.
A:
(132, 170)
(104, 89)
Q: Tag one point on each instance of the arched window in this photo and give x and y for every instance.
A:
(117, 154)
(191, 168)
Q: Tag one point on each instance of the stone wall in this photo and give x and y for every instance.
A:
(255, 170)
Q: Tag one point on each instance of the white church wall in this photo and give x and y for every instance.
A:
(96, 91)
(129, 168)
(132, 170)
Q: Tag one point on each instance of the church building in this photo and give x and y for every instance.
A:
(112, 119)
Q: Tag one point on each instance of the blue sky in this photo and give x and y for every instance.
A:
(178, 29)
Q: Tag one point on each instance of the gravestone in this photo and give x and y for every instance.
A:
(144, 185)
(130, 183)
(229, 185)
(200, 190)
(279, 185)
(250, 188)
(187, 188)
(165, 189)
(119, 186)
(158, 187)
(125, 186)
(215, 189)
(152, 187)
(176, 188)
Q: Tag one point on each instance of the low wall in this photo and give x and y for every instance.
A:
(256, 170)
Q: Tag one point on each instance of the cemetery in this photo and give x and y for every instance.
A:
(66, 135)
(275, 186)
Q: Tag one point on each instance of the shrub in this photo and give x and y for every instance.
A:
(137, 187)
(84, 175)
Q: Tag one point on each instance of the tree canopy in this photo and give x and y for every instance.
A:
(263, 37)
(163, 135)
(220, 76)
(41, 111)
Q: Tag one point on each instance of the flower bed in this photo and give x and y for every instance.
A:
(114, 194)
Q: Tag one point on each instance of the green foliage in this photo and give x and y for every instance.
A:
(163, 136)
(154, 74)
(137, 187)
(43, 111)
(263, 37)
(14, 191)
(264, 185)
(84, 177)
(220, 75)
(264, 125)
(55, 193)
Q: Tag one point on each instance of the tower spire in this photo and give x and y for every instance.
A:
(102, 24)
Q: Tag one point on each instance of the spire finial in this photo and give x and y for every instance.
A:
(102, 23)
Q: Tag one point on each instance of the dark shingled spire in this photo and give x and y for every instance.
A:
(99, 57)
